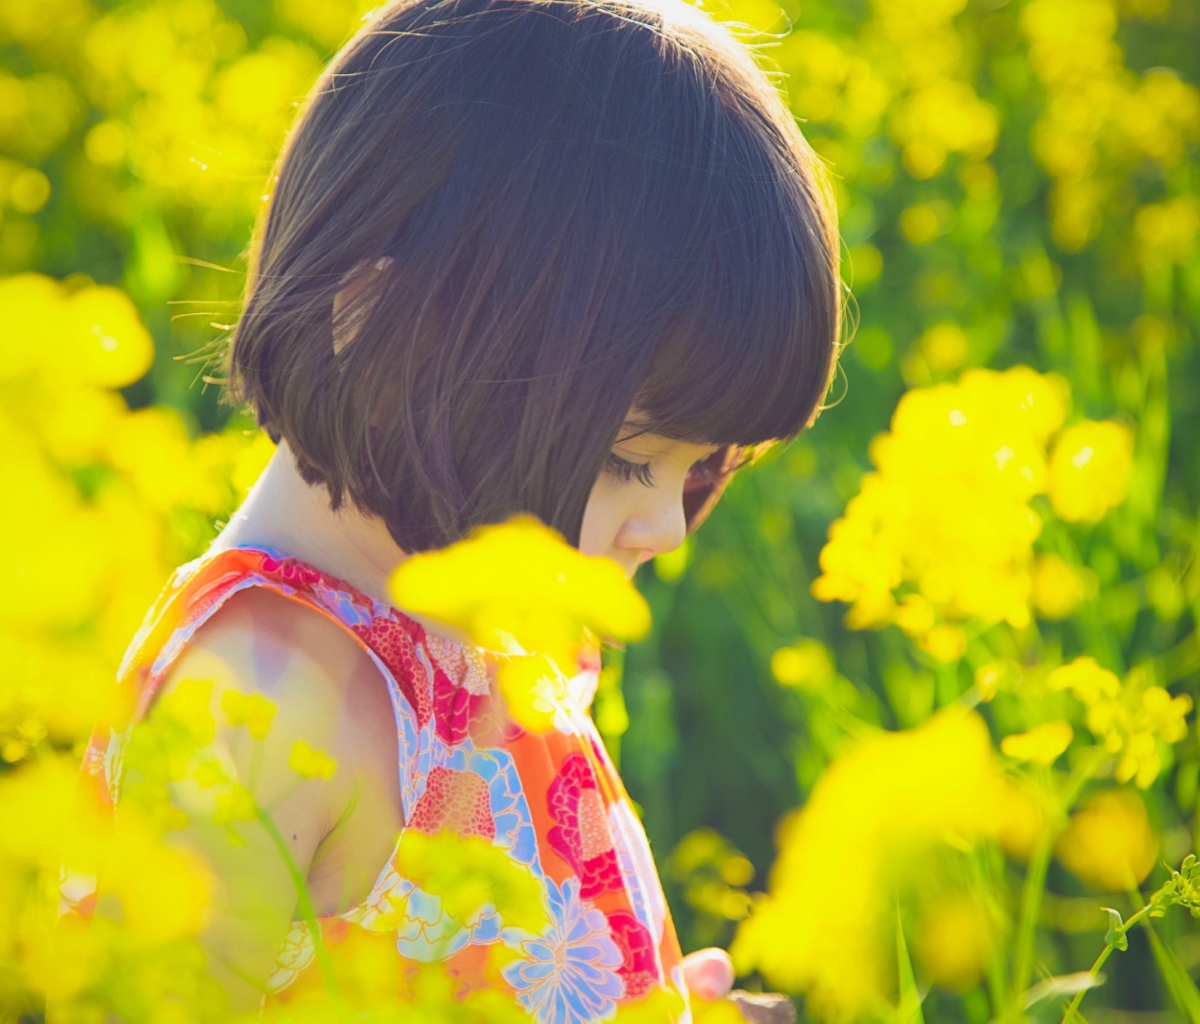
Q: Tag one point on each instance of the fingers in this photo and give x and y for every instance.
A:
(708, 973)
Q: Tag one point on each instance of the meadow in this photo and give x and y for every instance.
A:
(912, 731)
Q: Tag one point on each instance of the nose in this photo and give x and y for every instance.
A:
(657, 528)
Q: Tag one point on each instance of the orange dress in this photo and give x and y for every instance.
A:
(553, 802)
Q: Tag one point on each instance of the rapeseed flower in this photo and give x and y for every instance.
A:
(955, 939)
(1130, 720)
(252, 710)
(822, 928)
(1041, 745)
(1109, 841)
(900, 555)
(1058, 587)
(305, 760)
(1089, 470)
(519, 590)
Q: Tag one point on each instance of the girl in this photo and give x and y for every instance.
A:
(562, 257)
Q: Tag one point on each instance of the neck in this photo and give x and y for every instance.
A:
(285, 513)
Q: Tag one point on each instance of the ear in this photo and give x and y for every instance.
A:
(354, 299)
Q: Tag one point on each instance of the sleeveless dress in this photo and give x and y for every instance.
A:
(553, 802)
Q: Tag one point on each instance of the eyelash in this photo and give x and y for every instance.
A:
(626, 471)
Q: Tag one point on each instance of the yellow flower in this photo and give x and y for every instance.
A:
(252, 710)
(1089, 470)
(873, 816)
(947, 509)
(521, 582)
(1109, 842)
(520, 590)
(946, 642)
(807, 665)
(954, 940)
(469, 874)
(311, 763)
(1130, 720)
(1041, 745)
(1057, 587)
(165, 893)
(236, 803)
(533, 688)
(1086, 680)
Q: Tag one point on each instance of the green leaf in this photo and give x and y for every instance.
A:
(909, 1011)
(1115, 936)
(1063, 985)
(1179, 983)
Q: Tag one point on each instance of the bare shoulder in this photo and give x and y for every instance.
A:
(315, 672)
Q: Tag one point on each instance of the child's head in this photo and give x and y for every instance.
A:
(535, 216)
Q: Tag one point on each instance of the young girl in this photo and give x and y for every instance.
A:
(561, 257)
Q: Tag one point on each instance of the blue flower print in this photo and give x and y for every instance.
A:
(568, 973)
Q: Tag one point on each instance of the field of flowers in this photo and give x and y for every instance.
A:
(912, 731)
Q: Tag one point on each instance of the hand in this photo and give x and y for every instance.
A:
(708, 973)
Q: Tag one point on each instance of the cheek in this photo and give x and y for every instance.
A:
(602, 518)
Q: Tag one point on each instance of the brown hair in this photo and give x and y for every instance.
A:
(563, 208)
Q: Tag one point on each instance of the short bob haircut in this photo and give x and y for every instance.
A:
(555, 211)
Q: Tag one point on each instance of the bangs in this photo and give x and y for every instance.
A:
(751, 359)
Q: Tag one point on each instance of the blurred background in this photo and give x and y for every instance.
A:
(1017, 183)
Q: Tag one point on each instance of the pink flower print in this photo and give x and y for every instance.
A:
(639, 964)
(454, 801)
(456, 710)
(394, 646)
(581, 834)
(297, 574)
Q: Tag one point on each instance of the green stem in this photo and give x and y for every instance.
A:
(1035, 879)
(308, 912)
(1100, 960)
(1031, 904)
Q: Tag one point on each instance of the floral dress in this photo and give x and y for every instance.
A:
(553, 802)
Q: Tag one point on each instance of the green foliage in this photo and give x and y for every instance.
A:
(1016, 183)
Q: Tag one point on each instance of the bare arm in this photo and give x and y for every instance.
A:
(327, 693)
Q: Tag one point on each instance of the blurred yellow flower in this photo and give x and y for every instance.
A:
(1130, 720)
(806, 665)
(1041, 745)
(518, 589)
(1089, 470)
(105, 342)
(822, 929)
(469, 874)
(1086, 680)
(1109, 842)
(311, 763)
(165, 892)
(954, 941)
(252, 710)
(946, 642)
(521, 582)
(1057, 587)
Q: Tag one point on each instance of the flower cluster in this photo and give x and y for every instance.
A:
(1101, 119)
(1130, 720)
(874, 817)
(980, 446)
(111, 500)
(518, 589)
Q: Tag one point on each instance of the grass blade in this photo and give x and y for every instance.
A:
(1183, 989)
(909, 1011)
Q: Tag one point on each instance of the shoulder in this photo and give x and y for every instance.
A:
(260, 640)
(310, 668)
